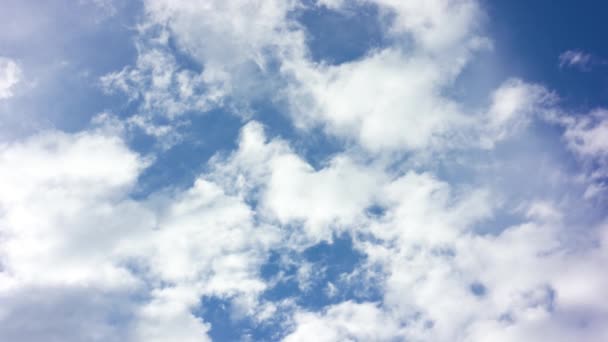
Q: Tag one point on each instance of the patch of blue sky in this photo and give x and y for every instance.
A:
(327, 280)
(330, 263)
(204, 135)
(225, 326)
(64, 48)
(478, 289)
(528, 38)
(339, 36)
(532, 34)
(313, 145)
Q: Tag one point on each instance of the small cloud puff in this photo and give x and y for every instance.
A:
(577, 59)
(10, 75)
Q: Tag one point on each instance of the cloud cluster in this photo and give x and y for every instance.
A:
(449, 256)
(70, 229)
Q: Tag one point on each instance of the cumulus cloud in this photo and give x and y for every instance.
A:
(64, 212)
(268, 53)
(439, 280)
(346, 321)
(513, 106)
(69, 225)
(355, 100)
(519, 284)
(54, 185)
(426, 23)
(168, 316)
(446, 256)
(230, 36)
(266, 50)
(289, 190)
(235, 44)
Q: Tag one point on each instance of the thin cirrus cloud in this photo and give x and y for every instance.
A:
(359, 200)
(579, 59)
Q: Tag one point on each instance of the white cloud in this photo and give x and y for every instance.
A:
(427, 255)
(320, 198)
(233, 42)
(437, 276)
(588, 135)
(332, 4)
(71, 231)
(291, 191)
(207, 244)
(530, 279)
(217, 247)
(10, 75)
(358, 100)
(347, 321)
(437, 26)
(417, 239)
(231, 34)
(514, 105)
(56, 184)
(163, 87)
(68, 224)
(576, 59)
(535, 279)
(258, 43)
(63, 212)
(204, 241)
(167, 317)
(377, 100)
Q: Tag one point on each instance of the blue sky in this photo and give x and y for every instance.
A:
(331, 170)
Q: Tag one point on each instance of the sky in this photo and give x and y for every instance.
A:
(303, 170)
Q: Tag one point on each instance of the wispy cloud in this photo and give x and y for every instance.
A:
(10, 75)
(578, 59)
